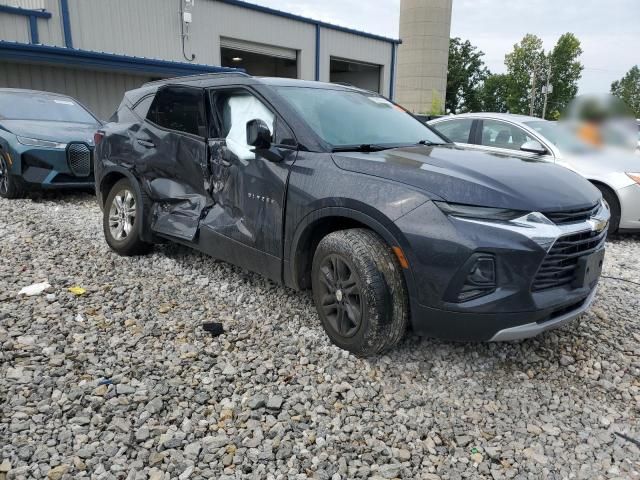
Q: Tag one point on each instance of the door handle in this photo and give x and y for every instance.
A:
(145, 143)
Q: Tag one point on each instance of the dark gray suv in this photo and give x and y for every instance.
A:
(339, 190)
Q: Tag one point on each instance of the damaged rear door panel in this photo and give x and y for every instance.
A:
(173, 166)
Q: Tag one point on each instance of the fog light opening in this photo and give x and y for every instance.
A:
(480, 281)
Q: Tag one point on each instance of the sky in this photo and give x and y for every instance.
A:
(609, 30)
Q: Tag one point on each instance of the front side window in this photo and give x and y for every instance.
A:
(181, 109)
(345, 118)
(455, 130)
(49, 108)
(503, 135)
(560, 136)
(233, 110)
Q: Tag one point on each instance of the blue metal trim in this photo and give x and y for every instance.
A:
(24, 11)
(317, 52)
(101, 61)
(299, 18)
(392, 73)
(66, 23)
(33, 29)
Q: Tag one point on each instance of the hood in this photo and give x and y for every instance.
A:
(477, 178)
(63, 132)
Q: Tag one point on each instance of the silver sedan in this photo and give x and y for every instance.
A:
(615, 173)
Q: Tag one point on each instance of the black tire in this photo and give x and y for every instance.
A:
(10, 186)
(614, 207)
(130, 242)
(370, 265)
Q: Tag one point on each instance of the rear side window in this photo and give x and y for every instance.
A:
(455, 130)
(181, 109)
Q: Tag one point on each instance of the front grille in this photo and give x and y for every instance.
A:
(572, 216)
(560, 264)
(79, 159)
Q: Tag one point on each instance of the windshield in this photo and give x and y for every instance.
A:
(55, 108)
(345, 118)
(560, 136)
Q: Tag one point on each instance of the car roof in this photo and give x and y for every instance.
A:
(497, 116)
(216, 79)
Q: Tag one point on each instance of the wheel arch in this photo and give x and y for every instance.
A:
(320, 223)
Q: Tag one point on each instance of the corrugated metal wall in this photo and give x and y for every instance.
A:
(132, 31)
(100, 91)
(16, 27)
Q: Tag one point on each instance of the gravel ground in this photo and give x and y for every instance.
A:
(122, 382)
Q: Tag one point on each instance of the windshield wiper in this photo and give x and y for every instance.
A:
(429, 143)
(367, 147)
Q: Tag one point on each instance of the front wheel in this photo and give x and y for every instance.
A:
(9, 185)
(612, 202)
(122, 220)
(359, 292)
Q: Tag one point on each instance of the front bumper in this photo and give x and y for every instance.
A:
(532, 329)
(440, 246)
(47, 168)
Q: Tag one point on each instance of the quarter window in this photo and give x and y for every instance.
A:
(455, 130)
(503, 135)
(181, 109)
(142, 107)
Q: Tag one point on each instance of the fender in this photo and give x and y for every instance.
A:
(387, 230)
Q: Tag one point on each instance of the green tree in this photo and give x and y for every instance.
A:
(464, 77)
(493, 94)
(628, 89)
(565, 70)
(527, 60)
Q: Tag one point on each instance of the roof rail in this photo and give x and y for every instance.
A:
(199, 76)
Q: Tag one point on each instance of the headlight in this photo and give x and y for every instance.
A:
(35, 142)
(483, 213)
(634, 176)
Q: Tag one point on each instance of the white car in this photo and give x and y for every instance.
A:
(615, 173)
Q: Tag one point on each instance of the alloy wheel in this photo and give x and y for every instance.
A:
(340, 295)
(122, 214)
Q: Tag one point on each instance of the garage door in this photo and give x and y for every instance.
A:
(258, 48)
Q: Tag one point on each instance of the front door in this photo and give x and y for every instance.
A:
(244, 224)
(175, 160)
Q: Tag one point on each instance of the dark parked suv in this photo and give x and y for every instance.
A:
(337, 189)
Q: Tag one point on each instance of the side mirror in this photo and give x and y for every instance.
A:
(258, 134)
(533, 146)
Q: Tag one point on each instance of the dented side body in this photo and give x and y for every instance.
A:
(267, 210)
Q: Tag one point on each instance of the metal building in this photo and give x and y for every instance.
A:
(95, 50)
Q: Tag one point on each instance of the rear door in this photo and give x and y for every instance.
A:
(173, 149)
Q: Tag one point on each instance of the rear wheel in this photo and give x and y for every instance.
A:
(359, 292)
(612, 202)
(9, 185)
(122, 220)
